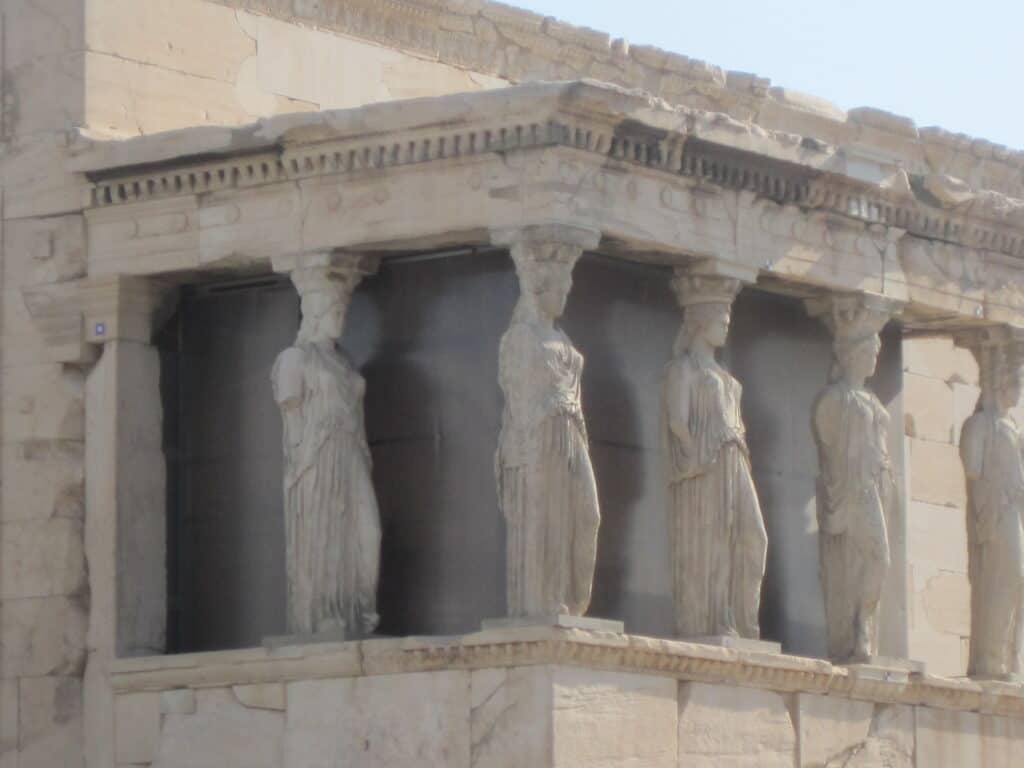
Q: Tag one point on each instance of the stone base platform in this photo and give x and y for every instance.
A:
(548, 696)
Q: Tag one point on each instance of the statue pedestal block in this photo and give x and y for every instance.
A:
(737, 643)
(327, 636)
(562, 620)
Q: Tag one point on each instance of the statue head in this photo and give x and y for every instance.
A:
(855, 321)
(857, 355)
(708, 323)
(325, 295)
(545, 278)
(707, 304)
(999, 351)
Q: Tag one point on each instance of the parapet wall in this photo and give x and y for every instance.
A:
(550, 697)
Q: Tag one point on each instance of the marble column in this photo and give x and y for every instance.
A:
(991, 447)
(546, 486)
(857, 488)
(125, 463)
(105, 326)
(332, 522)
(717, 537)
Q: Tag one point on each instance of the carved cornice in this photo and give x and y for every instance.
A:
(534, 646)
(627, 129)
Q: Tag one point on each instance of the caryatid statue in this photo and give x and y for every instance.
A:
(546, 485)
(856, 485)
(717, 535)
(332, 524)
(990, 447)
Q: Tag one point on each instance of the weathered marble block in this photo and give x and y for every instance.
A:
(565, 717)
(377, 722)
(855, 734)
(958, 739)
(729, 727)
(221, 733)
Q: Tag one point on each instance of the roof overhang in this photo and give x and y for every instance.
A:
(662, 184)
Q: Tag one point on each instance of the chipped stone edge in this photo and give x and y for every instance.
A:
(572, 647)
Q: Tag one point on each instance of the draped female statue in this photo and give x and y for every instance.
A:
(546, 484)
(990, 447)
(716, 531)
(856, 487)
(332, 525)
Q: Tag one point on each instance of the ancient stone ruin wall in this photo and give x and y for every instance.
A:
(941, 389)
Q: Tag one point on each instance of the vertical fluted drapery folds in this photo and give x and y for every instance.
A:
(717, 536)
(990, 448)
(857, 486)
(546, 485)
(332, 524)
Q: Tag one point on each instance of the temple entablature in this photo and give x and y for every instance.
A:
(663, 184)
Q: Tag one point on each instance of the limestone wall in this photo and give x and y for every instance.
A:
(941, 390)
(44, 598)
(154, 66)
(546, 716)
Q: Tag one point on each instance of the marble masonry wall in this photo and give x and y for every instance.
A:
(44, 593)
(941, 390)
(476, 702)
(155, 66)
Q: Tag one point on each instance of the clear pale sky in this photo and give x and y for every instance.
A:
(958, 64)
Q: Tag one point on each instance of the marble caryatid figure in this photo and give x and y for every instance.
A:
(717, 535)
(990, 447)
(332, 524)
(546, 485)
(856, 485)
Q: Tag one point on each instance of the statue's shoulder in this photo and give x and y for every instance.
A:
(830, 397)
(288, 375)
(681, 367)
(974, 436)
(978, 425)
(517, 333)
(828, 405)
(289, 358)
